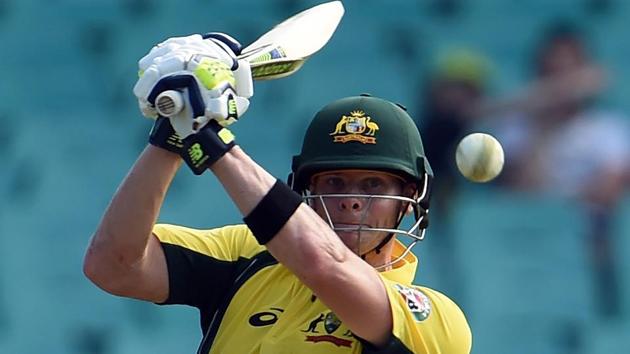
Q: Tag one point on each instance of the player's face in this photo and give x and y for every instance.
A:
(354, 211)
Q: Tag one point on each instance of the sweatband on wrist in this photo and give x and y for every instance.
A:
(272, 212)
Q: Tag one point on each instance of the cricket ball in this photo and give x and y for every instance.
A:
(479, 157)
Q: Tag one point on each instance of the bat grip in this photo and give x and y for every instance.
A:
(169, 103)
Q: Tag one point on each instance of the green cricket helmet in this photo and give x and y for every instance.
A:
(361, 132)
(369, 133)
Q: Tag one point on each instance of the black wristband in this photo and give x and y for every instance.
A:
(205, 147)
(272, 212)
(163, 136)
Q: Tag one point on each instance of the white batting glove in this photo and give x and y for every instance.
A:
(213, 83)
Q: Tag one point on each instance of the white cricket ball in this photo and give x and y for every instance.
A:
(479, 157)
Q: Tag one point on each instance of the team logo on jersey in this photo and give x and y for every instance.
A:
(418, 303)
(355, 127)
(331, 324)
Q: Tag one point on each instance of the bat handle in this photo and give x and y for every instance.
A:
(169, 103)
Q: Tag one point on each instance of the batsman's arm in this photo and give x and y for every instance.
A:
(313, 252)
(123, 256)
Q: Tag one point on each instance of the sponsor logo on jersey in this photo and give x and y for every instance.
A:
(417, 302)
(265, 318)
(330, 324)
(355, 127)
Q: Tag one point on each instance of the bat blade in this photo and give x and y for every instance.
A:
(276, 69)
(282, 51)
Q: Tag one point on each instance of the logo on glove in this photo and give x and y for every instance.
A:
(195, 153)
(174, 140)
(214, 73)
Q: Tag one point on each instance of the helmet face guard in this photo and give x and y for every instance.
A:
(366, 133)
(415, 232)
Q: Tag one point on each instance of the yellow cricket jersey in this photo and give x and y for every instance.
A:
(249, 303)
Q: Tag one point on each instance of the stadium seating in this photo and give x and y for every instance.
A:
(523, 260)
(70, 130)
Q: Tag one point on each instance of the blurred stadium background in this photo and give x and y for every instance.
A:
(70, 129)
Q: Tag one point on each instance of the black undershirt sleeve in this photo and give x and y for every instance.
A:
(393, 346)
(196, 279)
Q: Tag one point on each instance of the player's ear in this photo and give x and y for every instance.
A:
(410, 190)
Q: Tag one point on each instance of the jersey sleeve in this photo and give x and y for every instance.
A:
(202, 264)
(424, 321)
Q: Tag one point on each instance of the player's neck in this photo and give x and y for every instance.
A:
(384, 256)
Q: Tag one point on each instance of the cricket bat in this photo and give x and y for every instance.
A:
(278, 53)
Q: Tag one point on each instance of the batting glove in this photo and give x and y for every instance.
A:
(164, 136)
(213, 87)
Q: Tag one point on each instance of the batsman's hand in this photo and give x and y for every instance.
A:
(204, 70)
(211, 87)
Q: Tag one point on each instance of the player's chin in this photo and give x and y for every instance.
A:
(357, 241)
(349, 238)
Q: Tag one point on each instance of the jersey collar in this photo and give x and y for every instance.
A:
(405, 270)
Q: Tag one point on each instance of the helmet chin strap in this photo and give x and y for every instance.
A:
(377, 249)
(386, 240)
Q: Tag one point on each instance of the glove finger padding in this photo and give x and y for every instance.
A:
(193, 44)
(181, 60)
(234, 45)
(241, 69)
(221, 94)
(225, 109)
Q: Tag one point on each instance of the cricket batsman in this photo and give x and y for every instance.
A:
(317, 266)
